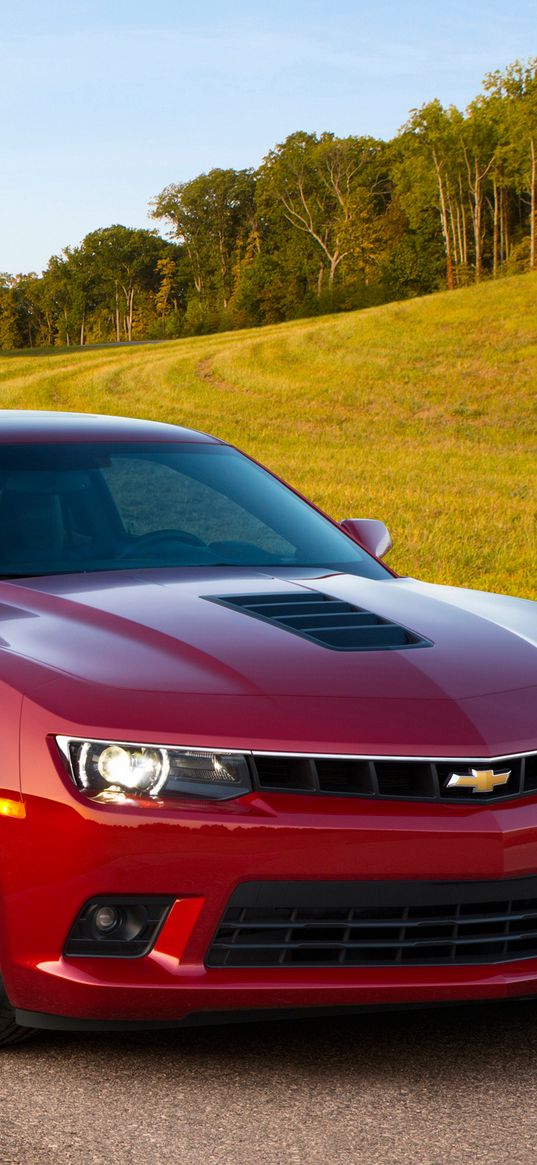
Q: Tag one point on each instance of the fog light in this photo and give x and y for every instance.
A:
(124, 926)
(107, 918)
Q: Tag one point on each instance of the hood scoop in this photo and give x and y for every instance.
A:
(324, 620)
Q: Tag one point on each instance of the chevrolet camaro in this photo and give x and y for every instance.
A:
(246, 769)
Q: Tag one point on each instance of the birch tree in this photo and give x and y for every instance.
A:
(479, 144)
(437, 134)
(516, 87)
(321, 184)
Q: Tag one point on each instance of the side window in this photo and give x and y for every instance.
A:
(151, 496)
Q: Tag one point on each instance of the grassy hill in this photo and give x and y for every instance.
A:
(422, 413)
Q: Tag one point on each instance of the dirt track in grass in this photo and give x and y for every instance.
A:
(423, 413)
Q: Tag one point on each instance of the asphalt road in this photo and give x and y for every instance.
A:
(428, 1088)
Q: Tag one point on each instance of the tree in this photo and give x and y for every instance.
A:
(124, 261)
(9, 318)
(479, 143)
(516, 87)
(212, 217)
(436, 134)
(70, 292)
(321, 184)
(325, 224)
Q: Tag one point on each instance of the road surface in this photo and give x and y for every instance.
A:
(445, 1087)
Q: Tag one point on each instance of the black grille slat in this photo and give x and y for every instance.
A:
(405, 779)
(341, 777)
(352, 924)
(421, 780)
(324, 620)
(277, 773)
(530, 773)
(404, 920)
(446, 941)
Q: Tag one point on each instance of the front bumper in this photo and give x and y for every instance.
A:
(67, 851)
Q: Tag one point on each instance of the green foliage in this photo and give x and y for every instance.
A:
(326, 224)
(9, 316)
(212, 218)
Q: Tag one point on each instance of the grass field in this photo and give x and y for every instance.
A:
(422, 413)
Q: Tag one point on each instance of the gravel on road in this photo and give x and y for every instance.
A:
(429, 1087)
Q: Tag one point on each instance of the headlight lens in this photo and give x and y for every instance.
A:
(130, 768)
(106, 770)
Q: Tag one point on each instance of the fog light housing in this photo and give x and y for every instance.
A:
(118, 927)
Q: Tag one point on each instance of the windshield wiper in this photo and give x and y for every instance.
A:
(35, 574)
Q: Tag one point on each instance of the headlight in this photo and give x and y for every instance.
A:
(105, 770)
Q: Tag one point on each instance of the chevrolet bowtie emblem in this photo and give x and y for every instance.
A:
(479, 780)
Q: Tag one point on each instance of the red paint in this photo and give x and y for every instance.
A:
(147, 658)
(178, 927)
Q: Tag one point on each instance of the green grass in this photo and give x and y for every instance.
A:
(422, 413)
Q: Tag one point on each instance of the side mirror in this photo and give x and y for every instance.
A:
(370, 533)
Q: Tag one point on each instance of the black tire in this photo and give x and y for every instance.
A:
(10, 1031)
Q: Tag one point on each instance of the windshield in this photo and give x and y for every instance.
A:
(108, 506)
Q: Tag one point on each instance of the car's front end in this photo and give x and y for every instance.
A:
(237, 849)
(281, 900)
(246, 769)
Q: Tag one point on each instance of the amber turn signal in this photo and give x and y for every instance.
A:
(10, 808)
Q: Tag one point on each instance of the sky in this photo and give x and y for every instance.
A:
(105, 102)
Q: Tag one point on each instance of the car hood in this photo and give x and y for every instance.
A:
(146, 652)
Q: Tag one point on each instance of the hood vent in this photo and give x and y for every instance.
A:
(324, 620)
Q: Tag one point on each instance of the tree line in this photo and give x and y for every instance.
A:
(324, 224)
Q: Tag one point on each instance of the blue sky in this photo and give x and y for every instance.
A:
(104, 103)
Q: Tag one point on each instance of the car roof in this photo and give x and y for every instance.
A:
(29, 425)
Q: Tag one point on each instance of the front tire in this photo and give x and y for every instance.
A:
(11, 1032)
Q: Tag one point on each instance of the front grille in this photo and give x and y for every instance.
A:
(324, 620)
(359, 924)
(417, 780)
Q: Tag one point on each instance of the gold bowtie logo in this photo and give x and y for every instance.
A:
(479, 780)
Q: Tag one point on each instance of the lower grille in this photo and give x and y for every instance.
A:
(357, 924)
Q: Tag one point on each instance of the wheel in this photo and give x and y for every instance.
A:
(10, 1031)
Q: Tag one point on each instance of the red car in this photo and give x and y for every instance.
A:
(245, 766)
